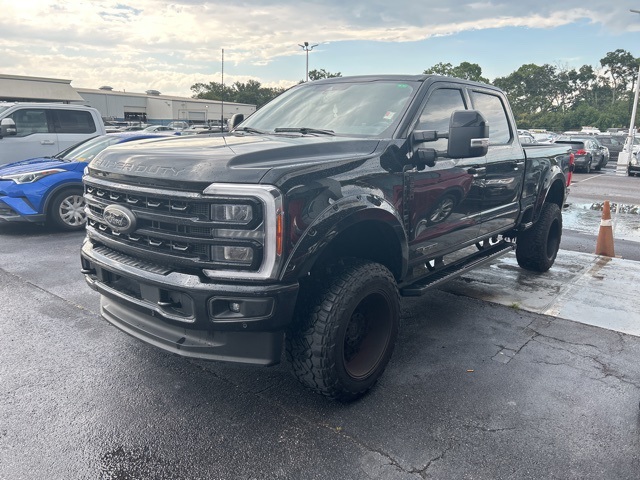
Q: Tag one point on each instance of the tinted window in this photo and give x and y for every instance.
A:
(437, 113)
(493, 110)
(30, 120)
(349, 108)
(74, 121)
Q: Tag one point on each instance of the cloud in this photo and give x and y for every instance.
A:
(165, 44)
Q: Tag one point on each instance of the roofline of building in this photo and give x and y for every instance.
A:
(163, 97)
(35, 79)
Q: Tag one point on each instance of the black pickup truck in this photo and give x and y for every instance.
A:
(301, 229)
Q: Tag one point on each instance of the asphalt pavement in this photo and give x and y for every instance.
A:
(501, 374)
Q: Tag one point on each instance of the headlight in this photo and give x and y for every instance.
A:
(31, 177)
(633, 161)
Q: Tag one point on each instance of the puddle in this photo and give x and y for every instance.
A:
(585, 218)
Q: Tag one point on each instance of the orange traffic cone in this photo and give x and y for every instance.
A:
(604, 245)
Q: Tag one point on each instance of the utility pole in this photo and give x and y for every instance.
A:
(625, 157)
(307, 48)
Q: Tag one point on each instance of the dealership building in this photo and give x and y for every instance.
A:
(149, 107)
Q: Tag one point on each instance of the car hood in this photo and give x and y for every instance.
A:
(196, 161)
(37, 164)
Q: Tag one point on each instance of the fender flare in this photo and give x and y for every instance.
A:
(340, 216)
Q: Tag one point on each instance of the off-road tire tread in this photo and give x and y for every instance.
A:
(531, 246)
(312, 336)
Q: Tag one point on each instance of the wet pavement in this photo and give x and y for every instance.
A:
(585, 218)
(585, 288)
(495, 376)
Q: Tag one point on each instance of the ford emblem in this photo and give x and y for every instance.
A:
(119, 218)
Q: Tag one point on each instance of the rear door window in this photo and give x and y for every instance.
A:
(73, 121)
(492, 108)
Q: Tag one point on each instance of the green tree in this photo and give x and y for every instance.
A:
(466, 70)
(211, 91)
(251, 92)
(621, 67)
(322, 73)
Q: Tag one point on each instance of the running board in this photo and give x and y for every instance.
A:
(456, 269)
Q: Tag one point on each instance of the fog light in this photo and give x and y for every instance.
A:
(238, 255)
(234, 307)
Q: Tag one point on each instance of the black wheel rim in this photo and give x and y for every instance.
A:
(367, 335)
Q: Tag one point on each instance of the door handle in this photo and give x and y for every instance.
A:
(478, 170)
(47, 142)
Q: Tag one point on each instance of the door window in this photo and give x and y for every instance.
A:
(74, 121)
(30, 120)
(491, 107)
(437, 113)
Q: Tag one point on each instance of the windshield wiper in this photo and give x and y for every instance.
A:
(251, 130)
(304, 130)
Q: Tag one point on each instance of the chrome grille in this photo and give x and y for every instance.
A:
(172, 227)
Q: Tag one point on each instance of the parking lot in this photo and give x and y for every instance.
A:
(475, 389)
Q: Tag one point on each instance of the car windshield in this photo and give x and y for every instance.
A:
(85, 151)
(341, 108)
(2, 109)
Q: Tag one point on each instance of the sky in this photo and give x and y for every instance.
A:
(168, 46)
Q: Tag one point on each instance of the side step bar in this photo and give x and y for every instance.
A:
(455, 269)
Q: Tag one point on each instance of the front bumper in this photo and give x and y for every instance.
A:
(188, 314)
(18, 210)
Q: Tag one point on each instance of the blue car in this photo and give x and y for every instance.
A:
(49, 190)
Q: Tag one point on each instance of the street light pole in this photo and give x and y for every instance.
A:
(623, 160)
(307, 48)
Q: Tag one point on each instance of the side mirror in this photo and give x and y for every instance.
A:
(468, 134)
(236, 119)
(8, 127)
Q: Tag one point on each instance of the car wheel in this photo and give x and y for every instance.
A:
(345, 330)
(66, 210)
(537, 247)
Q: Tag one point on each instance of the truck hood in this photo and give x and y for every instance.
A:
(199, 161)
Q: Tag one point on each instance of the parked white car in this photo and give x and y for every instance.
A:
(29, 130)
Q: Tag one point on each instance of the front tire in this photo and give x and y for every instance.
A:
(537, 248)
(66, 210)
(346, 330)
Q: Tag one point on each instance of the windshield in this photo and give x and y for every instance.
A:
(342, 108)
(2, 109)
(85, 151)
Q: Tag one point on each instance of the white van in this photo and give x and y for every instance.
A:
(30, 130)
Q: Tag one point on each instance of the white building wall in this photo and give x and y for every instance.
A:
(161, 109)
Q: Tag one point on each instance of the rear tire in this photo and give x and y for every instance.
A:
(345, 330)
(66, 210)
(537, 248)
